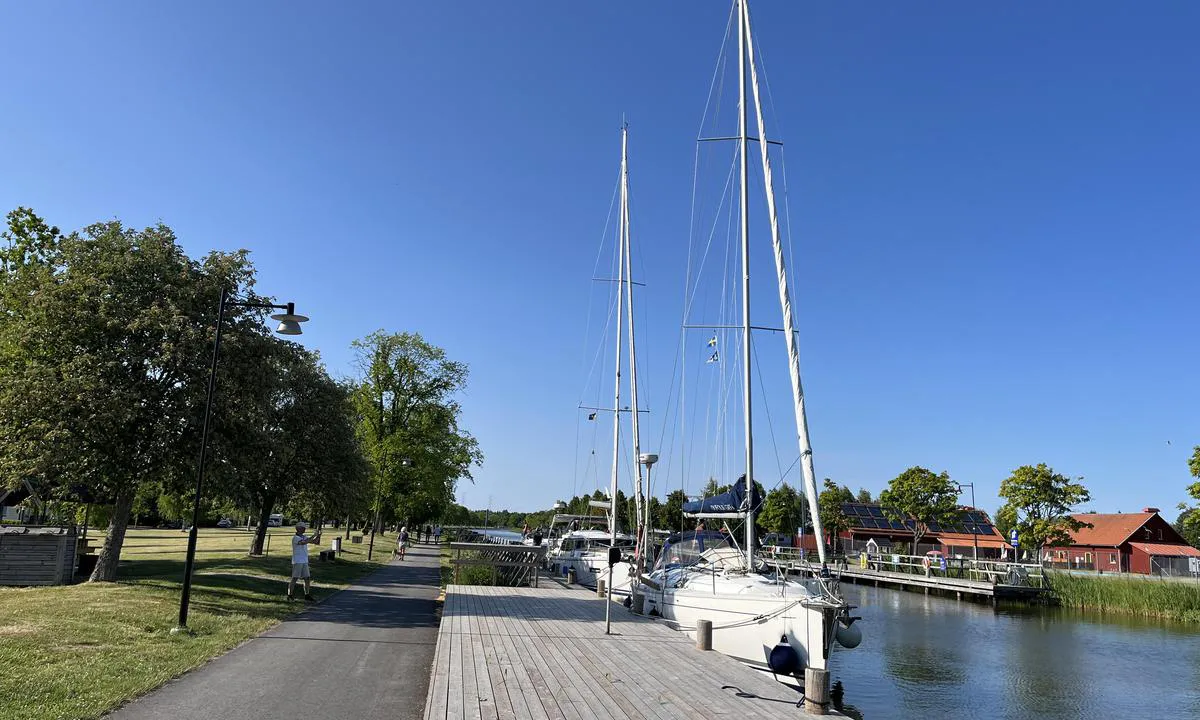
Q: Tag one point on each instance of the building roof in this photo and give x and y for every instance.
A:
(1108, 529)
(1169, 550)
(869, 518)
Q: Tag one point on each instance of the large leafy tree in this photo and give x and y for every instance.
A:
(672, 511)
(408, 424)
(781, 512)
(1188, 523)
(920, 497)
(294, 442)
(1040, 500)
(833, 520)
(104, 337)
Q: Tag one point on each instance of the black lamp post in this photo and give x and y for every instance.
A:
(974, 525)
(289, 324)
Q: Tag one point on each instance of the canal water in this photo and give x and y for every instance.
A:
(929, 657)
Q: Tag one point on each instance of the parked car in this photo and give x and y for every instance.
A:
(224, 523)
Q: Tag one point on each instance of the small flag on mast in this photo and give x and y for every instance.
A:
(713, 358)
(591, 416)
(712, 341)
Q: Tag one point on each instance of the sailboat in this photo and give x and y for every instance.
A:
(759, 614)
(587, 549)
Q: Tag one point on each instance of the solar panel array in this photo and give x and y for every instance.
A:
(872, 517)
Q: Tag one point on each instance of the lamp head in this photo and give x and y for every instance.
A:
(289, 322)
(648, 459)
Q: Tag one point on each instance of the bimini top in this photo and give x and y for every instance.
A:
(732, 503)
(685, 548)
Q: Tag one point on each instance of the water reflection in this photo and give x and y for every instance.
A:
(931, 657)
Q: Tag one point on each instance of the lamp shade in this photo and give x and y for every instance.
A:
(289, 323)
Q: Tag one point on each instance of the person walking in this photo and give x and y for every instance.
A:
(402, 543)
(437, 534)
(300, 543)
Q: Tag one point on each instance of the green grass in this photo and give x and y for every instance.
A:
(1169, 599)
(77, 651)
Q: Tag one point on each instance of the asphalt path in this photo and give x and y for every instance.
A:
(364, 653)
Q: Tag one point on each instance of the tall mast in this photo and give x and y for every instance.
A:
(743, 30)
(785, 303)
(612, 495)
(633, 383)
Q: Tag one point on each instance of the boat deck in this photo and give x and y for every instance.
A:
(507, 652)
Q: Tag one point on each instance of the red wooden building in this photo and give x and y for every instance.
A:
(1141, 542)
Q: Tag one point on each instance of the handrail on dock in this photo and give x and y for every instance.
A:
(512, 564)
(991, 572)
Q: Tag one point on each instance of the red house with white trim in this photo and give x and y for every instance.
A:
(1141, 542)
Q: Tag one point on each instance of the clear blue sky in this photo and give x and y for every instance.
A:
(997, 206)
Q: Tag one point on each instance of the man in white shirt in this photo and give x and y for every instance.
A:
(300, 543)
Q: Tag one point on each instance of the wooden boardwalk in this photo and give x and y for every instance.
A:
(959, 586)
(507, 653)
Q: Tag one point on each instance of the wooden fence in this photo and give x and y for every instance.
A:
(511, 565)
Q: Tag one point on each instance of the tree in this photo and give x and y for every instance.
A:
(1188, 524)
(833, 521)
(103, 342)
(1041, 501)
(781, 512)
(408, 423)
(672, 512)
(920, 497)
(1006, 519)
(864, 496)
(293, 441)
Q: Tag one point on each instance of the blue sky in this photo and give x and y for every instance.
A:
(995, 207)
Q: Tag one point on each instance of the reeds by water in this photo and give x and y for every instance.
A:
(1147, 597)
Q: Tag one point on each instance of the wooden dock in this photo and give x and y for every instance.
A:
(948, 585)
(507, 653)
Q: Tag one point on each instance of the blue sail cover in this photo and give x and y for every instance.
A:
(733, 501)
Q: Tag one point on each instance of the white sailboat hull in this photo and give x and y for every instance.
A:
(750, 614)
(590, 567)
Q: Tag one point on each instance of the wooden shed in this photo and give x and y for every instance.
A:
(37, 556)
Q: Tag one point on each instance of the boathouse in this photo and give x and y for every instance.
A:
(1141, 542)
(971, 532)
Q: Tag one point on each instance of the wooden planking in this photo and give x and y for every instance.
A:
(542, 653)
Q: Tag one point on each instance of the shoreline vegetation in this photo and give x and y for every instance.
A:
(78, 651)
(1176, 600)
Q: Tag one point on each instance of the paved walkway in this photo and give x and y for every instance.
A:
(364, 653)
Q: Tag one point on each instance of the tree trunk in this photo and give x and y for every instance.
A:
(260, 533)
(347, 527)
(110, 554)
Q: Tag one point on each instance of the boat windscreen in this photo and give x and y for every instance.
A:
(686, 548)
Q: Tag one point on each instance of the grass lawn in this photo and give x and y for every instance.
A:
(77, 651)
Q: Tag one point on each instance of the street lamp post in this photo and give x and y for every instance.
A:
(974, 526)
(289, 324)
(404, 462)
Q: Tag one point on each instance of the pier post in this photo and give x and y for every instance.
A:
(639, 604)
(704, 634)
(570, 576)
(600, 587)
(816, 691)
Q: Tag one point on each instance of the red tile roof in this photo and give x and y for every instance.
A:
(1108, 529)
(1172, 550)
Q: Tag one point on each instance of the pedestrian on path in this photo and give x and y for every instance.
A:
(300, 543)
(402, 543)
(437, 534)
